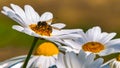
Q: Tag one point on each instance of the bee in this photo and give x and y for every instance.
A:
(44, 26)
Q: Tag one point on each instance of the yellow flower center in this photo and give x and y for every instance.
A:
(94, 47)
(47, 49)
(118, 58)
(42, 29)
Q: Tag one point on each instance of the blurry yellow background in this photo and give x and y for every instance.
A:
(74, 13)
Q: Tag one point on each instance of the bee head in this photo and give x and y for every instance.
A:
(41, 23)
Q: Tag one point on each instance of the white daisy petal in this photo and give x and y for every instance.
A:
(18, 28)
(72, 60)
(46, 16)
(106, 66)
(84, 37)
(32, 16)
(97, 63)
(102, 36)
(108, 38)
(51, 61)
(72, 44)
(6, 9)
(106, 52)
(90, 58)
(58, 25)
(16, 18)
(82, 55)
(68, 62)
(36, 35)
(65, 31)
(80, 41)
(97, 32)
(116, 48)
(17, 65)
(93, 34)
(19, 11)
(66, 36)
(89, 35)
(27, 31)
(113, 42)
(65, 49)
(13, 62)
(46, 64)
(40, 62)
(75, 62)
(68, 49)
(9, 12)
(31, 61)
(60, 63)
(3, 12)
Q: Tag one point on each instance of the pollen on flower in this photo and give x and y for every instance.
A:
(47, 49)
(43, 29)
(94, 47)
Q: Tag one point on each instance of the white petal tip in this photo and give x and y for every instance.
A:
(49, 13)
(27, 6)
(12, 4)
(46, 16)
(97, 27)
(3, 12)
(17, 27)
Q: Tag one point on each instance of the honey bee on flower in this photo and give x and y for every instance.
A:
(31, 23)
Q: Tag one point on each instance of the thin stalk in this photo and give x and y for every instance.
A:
(30, 52)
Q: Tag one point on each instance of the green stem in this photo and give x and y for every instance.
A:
(30, 52)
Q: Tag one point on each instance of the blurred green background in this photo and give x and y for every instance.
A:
(75, 13)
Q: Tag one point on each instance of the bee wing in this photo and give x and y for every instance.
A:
(47, 16)
(58, 26)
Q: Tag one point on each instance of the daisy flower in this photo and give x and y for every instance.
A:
(113, 63)
(32, 24)
(45, 56)
(94, 41)
(82, 60)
